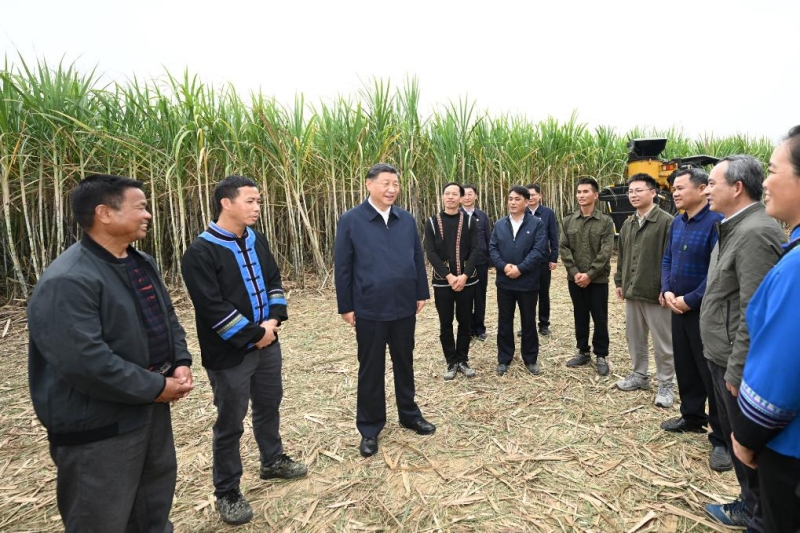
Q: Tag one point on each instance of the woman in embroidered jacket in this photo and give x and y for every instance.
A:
(767, 435)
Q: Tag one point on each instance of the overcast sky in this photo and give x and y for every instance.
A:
(703, 66)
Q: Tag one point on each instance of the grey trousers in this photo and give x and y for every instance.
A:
(641, 318)
(257, 379)
(121, 484)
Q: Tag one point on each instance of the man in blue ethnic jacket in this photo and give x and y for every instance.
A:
(381, 285)
(235, 285)
(517, 249)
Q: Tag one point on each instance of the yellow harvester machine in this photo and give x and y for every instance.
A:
(643, 157)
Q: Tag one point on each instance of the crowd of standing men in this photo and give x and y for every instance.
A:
(715, 289)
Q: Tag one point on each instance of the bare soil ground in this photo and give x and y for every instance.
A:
(563, 451)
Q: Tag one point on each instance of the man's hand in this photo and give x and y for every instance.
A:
(459, 284)
(582, 280)
(680, 305)
(175, 389)
(618, 292)
(350, 318)
(512, 271)
(733, 390)
(272, 329)
(661, 301)
(745, 455)
(451, 280)
(420, 305)
(184, 376)
(553, 266)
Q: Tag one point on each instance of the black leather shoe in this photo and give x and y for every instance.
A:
(545, 331)
(369, 446)
(482, 337)
(420, 425)
(681, 425)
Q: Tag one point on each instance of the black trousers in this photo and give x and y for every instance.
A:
(447, 301)
(545, 276)
(476, 325)
(728, 408)
(372, 337)
(507, 301)
(591, 301)
(780, 491)
(694, 377)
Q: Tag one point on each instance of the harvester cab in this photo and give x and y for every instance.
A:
(643, 157)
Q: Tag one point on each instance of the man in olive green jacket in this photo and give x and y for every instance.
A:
(642, 241)
(586, 245)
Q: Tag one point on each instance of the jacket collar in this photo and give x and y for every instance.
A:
(217, 231)
(733, 223)
(369, 212)
(91, 245)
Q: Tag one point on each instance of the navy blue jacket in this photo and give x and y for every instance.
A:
(484, 231)
(528, 251)
(379, 268)
(546, 215)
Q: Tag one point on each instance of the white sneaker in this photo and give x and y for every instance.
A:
(634, 382)
(450, 373)
(665, 396)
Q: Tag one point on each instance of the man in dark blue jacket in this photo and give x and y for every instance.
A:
(517, 249)
(546, 215)
(381, 285)
(481, 219)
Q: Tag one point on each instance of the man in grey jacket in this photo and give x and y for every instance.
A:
(106, 357)
(749, 245)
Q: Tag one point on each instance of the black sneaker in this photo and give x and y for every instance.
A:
(545, 331)
(502, 369)
(233, 508)
(465, 369)
(732, 514)
(283, 467)
(450, 373)
(581, 359)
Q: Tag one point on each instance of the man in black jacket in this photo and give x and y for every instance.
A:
(106, 356)
(477, 217)
(548, 217)
(235, 285)
(517, 249)
(451, 245)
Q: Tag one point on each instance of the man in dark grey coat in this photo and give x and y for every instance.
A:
(106, 357)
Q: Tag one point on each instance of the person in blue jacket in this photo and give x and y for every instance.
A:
(518, 248)
(381, 286)
(767, 434)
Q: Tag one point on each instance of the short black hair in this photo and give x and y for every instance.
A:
(470, 186)
(535, 187)
(647, 178)
(98, 189)
(748, 170)
(793, 143)
(229, 188)
(460, 187)
(522, 191)
(696, 175)
(586, 180)
(380, 168)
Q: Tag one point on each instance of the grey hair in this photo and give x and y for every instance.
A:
(748, 170)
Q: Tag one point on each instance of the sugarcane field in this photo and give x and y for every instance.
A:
(542, 445)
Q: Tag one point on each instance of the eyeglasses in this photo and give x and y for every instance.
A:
(638, 191)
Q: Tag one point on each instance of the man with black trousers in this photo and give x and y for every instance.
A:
(683, 282)
(546, 215)
(587, 242)
(451, 246)
(235, 286)
(381, 286)
(106, 358)
(484, 223)
(517, 249)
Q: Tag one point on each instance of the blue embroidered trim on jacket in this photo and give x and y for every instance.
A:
(761, 411)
